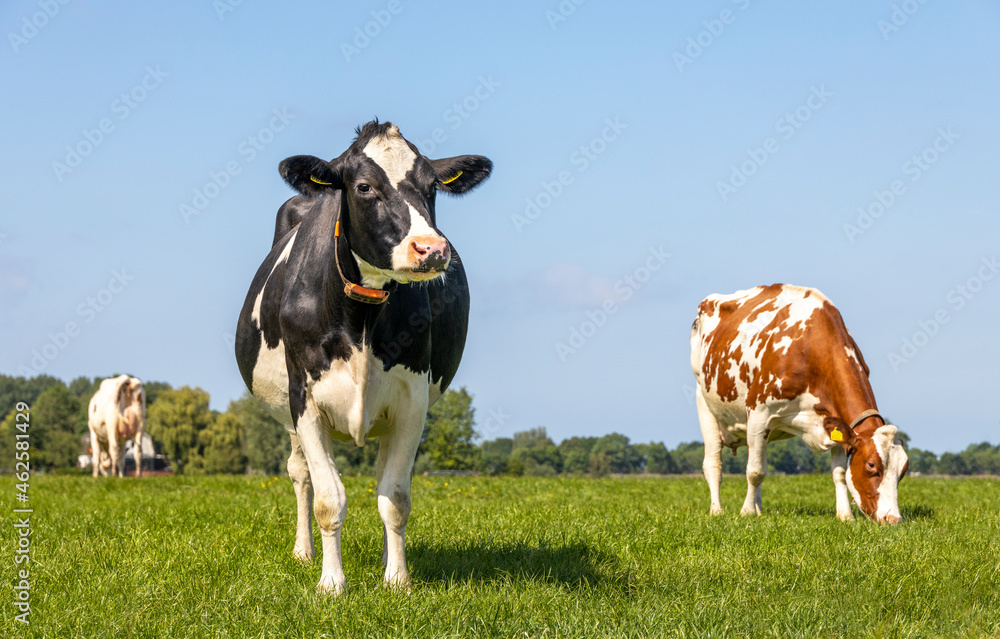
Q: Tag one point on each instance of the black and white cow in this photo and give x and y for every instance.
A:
(355, 324)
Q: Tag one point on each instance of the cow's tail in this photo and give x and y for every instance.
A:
(696, 346)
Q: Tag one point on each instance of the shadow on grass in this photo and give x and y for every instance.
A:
(574, 564)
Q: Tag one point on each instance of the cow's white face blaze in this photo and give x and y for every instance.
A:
(388, 190)
(423, 253)
(874, 472)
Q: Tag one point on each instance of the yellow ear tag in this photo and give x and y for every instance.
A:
(319, 182)
(836, 435)
(450, 180)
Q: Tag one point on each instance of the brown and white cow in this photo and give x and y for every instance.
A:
(774, 362)
(117, 412)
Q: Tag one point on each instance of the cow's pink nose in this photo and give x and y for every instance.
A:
(891, 519)
(431, 253)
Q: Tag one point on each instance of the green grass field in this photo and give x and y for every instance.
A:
(510, 557)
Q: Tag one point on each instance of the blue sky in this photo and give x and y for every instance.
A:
(645, 157)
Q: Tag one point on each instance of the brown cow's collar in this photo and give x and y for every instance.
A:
(354, 291)
(871, 412)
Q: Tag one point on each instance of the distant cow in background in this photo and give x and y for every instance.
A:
(117, 413)
(775, 362)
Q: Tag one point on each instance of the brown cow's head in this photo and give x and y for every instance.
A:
(876, 463)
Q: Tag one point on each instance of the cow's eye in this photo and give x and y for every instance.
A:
(364, 188)
(870, 466)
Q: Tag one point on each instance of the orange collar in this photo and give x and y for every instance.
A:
(354, 291)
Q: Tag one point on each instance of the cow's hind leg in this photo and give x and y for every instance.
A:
(395, 464)
(137, 453)
(329, 497)
(113, 453)
(712, 466)
(298, 470)
(756, 460)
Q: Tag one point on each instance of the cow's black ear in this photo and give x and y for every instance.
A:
(461, 174)
(310, 175)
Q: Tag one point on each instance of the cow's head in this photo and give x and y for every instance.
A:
(876, 463)
(388, 191)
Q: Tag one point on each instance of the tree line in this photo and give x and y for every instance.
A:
(245, 438)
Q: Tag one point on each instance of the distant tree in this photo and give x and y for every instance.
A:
(450, 432)
(496, 455)
(575, 452)
(689, 456)
(22, 389)
(532, 438)
(658, 459)
(981, 459)
(540, 455)
(153, 390)
(55, 429)
(222, 444)
(576, 461)
(176, 420)
(267, 443)
(622, 456)
(598, 464)
(951, 464)
(921, 461)
(791, 456)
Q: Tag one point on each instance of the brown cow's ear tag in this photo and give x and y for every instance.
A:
(313, 178)
(836, 435)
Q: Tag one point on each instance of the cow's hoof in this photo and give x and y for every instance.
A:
(329, 586)
(848, 516)
(715, 510)
(750, 512)
(401, 585)
(305, 555)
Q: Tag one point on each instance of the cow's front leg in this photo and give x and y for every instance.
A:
(298, 470)
(756, 461)
(712, 466)
(838, 459)
(396, 452)
(329, 497)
